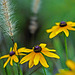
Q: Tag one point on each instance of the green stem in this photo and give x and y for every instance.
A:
(19, 70)
(65, 39)
(6, 70)
(44, 70)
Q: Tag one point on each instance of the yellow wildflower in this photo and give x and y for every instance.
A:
(71, 65)
(36, 55)
(12, 55)
(61, 27)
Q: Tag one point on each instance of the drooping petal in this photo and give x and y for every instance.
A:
(11, 61)
(55, 32)
(52, 29)
(5, 56)
(27, 57)
(6, 62)
(43, 61)
(25, 50)
(31, 63)
(66, 32)
(36, 58)
(46, 49)
(15, 58)
(70, 64)
(43, 45)
(10, 49)
(49, 54)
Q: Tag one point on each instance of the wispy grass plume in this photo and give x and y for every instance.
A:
(6, 17)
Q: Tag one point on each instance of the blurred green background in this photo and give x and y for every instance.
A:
(50, 12)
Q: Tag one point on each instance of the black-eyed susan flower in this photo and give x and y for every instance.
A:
(71, 65)
(36, 55)
(61, 27)
(12, 56)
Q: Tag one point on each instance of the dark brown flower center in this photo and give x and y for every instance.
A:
(63, 24)
(12, 53)
(37, 49)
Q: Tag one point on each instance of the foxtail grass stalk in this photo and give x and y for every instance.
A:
(44, 70)
(9, 25)
(6, 14)
(65, 39)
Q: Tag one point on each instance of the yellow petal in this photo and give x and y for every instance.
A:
(73, 24)
(27, 57)
(10, 49)
(55, 32)
(46, 49)
(43, 45)
(31, 63)
(70, 28)
(11, 62)
(6, 62)
(16, 52)
(15, 58)
(49, 30)
(52, 29)
(5, 56)
(57, 24)
(66, 32)
(49, 54)
(25, 50)
(65, 72)
(70, 64)
(15, 47)
(69, 23)
(21, 54)
(36, 58)
(43, 61)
